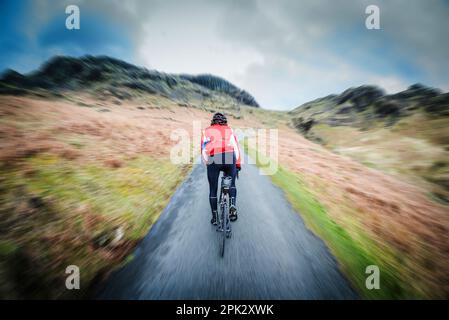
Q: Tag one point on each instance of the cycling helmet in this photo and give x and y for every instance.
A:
(219, 118)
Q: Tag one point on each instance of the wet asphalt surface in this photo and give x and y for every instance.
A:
(271, 255)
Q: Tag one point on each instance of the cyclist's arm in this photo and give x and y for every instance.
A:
(204, 141)
(235, 145)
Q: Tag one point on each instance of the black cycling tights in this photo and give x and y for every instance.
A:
(221, 162)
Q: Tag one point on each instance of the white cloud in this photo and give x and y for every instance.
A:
(283, 52)
(284, 84)
(173, 43)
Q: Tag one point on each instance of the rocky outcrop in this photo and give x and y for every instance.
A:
(219, 84)
(367, 105)
(68, 73)
(360, 97)
(301, 125)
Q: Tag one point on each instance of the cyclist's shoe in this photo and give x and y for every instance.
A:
(233, 210)
(214, 218)
(233, 213)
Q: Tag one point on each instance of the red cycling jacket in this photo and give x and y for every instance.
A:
(218, 139)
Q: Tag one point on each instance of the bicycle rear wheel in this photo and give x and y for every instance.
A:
(224, 223)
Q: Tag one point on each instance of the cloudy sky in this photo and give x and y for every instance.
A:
(285, 53)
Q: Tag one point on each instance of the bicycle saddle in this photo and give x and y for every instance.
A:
(226, 182)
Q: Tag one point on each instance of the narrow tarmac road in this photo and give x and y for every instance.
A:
(271, 254)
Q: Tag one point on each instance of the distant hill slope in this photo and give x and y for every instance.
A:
(103, 75)
(365, 106)
(218, 84)
(406, 133)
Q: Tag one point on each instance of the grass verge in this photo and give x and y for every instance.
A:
(354, 253)
(56, 212)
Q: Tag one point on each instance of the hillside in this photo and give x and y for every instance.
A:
(404, 134)
(85, 171)
(366, 106)
(85, 165)
(104, 76)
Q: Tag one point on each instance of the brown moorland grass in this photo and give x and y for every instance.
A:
(390, 211)
(73, 179)
(51, 140)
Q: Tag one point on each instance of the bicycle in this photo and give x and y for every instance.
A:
(223, 223)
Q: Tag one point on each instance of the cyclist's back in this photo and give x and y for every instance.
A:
(220, 151)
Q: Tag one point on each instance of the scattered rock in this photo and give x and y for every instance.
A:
(114, 163)
(384, 108)
(82, 104)
(119, 233)
(36, 202)
(303, 125)
(344, 110)
(361, 97)
(109, 238)
(438, 105)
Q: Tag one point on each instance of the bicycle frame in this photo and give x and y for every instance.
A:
(224, 225)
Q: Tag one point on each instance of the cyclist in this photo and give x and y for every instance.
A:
(220, 152)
